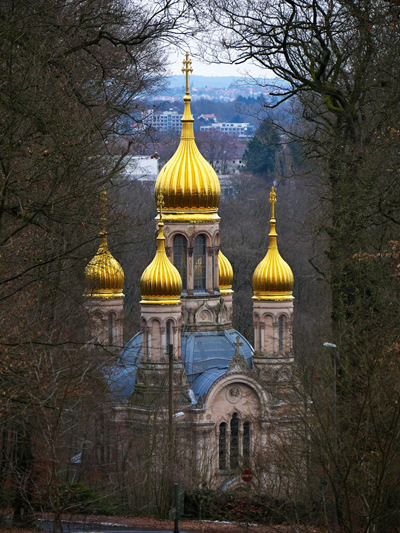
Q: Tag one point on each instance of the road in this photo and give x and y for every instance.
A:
(76, 527)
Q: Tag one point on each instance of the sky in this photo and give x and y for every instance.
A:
(202, 69)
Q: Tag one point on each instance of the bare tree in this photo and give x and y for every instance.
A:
(336, 59)
(71, 74)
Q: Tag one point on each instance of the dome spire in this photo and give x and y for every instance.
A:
(103, 274)
(273, 277)
(186, 69)
(160, 236)
(273, 241)
(103, 231)
(161, 282)
(187, 119)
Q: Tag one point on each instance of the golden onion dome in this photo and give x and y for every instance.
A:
(225, 274)
(273, 277)
(161, 282)
(104, 276)
(188, 182)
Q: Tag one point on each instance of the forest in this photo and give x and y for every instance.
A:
(333, 155)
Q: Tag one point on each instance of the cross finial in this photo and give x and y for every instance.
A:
(103, 196)
(237, 345)
(103, 229)
(272, 199)
(160, 203)
(187, 67)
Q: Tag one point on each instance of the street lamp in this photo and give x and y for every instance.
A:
(335, 358)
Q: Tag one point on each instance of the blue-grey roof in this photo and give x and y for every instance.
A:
(202, 351)
(202, 383)
(132, 352)
(122, 382)
(206, 356)
(122, 376)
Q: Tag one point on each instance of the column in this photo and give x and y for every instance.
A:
(216, 270)
(276, 336)
(240, 438)
(163, 344)
(209, 271)
(262, 337)
(190, 281)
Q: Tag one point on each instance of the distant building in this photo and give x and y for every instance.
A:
(164, 120)
(242, 130)
(230, 162)
(141, 168)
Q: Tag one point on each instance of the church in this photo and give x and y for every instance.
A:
(187, 367)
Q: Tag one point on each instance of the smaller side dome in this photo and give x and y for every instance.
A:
(225, 274)
(161, 282)
(273, 278)
(104, 277)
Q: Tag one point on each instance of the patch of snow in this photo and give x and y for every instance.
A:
(192, 397)
(77, 459)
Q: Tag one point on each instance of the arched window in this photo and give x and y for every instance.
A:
(213, 271)
(246, 443)
(234, 459)
(222, 446)
(180, 258)
(199, 262)
(110, 329)
(169, 334)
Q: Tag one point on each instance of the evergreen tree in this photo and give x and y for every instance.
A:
(261, 151)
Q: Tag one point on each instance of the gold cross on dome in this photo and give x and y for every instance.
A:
(187, 67)
(272, 199)
(160, 203)
(237, 345)
(103, 196)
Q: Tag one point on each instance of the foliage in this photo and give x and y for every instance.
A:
(337, 60)
(71, 73)
(261, 151)
(206, 504)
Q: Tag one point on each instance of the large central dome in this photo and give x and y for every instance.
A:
(189, 184)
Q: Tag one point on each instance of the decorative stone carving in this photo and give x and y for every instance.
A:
(204, 315)
(234, 394)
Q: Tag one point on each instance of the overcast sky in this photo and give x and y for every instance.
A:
(202, 69)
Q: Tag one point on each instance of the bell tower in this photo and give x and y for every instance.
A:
(161, 306)
(161, 324)
(272, 305)
(104, 280)
(192, 193)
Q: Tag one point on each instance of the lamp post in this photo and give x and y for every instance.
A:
(335, 359)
